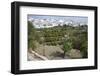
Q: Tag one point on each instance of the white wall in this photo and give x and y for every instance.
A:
(5, 41)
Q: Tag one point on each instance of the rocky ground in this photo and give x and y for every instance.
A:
(53, 53)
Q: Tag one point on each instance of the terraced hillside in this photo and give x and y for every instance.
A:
(59, 42)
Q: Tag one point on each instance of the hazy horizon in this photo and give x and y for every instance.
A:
(75, 19)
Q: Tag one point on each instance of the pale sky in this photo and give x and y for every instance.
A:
(75, 19)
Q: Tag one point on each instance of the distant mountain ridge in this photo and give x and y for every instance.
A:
(46, 23)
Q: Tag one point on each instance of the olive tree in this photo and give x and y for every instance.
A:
(67, 46)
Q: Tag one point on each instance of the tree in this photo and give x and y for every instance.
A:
(67, 45)
(43, 42)
(80, 41)
(31, 37)
(83, 49)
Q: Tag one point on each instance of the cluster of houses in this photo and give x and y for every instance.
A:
(46, 23)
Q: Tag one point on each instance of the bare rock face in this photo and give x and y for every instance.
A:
(74, 53)
(52, 53)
